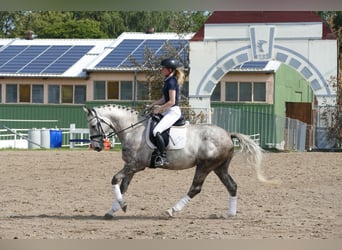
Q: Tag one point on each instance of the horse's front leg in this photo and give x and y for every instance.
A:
(119, 202)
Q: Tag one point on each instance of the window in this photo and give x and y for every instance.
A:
(99, 90)
(67, 93)
(245, 91)
(11, 93)
(53, 94)
(123, 90)
(113, 90)
(37, 93)
(27, 93)
(142, 91)
(259, 92)
(34, 93)
(24, 93)
(126, 90)
(232, 91)
(216, 95)
(80, 94)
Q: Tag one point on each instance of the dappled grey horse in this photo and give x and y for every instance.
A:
(206, 147)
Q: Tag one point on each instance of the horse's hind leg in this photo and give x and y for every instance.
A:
(230, 184)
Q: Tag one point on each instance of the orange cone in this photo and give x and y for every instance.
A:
(106, 144)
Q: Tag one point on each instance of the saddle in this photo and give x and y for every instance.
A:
(154, 121)
(165, 135)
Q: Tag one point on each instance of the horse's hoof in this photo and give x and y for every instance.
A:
(108, 216)
(123, 205)
(228, 216)
(169, 213)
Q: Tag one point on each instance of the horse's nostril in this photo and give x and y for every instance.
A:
(98, 149)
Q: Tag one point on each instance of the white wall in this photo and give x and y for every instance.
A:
(226, 45)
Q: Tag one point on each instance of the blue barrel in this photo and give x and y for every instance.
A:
(55, 138)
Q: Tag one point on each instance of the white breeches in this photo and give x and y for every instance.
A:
(170, 117)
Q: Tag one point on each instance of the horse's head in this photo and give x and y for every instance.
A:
(99, 128)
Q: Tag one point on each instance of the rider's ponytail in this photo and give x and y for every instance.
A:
(179, 74)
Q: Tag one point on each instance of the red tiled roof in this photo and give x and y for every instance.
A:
(264, 17)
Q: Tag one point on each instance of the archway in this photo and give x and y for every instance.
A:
(284, 55)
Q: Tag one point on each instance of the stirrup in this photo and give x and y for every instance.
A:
(160, 161)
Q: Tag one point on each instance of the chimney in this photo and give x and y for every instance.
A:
(149, 30)
(29, 35)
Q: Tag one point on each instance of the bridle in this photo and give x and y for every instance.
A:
(99, 121)
(102, 134)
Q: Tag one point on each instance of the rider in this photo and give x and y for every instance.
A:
(169, 108)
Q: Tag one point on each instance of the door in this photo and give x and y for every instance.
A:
(303, 112)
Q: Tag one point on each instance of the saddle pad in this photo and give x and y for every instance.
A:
(177, 137)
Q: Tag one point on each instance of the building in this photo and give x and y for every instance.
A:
(50, 79)
(272, 63)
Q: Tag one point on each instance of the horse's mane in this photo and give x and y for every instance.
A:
(120, 107)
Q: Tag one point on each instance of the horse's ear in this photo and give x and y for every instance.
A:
(87, 110)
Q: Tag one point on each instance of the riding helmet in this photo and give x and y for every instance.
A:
(169, 63)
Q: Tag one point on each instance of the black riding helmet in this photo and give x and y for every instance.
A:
(169, 63)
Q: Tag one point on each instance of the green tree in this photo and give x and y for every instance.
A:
(111, 22)
(11, 23)
(73, 29)
(55, 24)
(332, 115)
(6, 22)
(94, 24)
(187, 21)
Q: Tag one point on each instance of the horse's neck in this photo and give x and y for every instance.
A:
(120, 117)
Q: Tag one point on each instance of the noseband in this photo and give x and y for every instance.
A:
(99, 122)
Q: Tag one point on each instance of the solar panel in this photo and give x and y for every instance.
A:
(40, 58)
(253, 65)
(120, 53)
(10, 52)
(67, 59)
(177, 45)
(45, 59)
(22, 58)
(139, 54)
(129, 50)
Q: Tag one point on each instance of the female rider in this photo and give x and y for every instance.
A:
(169, 108)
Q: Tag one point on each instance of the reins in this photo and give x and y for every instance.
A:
(122, 130)
(114, 133)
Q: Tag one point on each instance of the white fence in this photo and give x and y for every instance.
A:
(72, 137)
(11, 140)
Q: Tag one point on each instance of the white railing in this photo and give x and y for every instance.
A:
(72, 137)
(11, 140)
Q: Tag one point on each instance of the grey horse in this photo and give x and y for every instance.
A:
(207, 147)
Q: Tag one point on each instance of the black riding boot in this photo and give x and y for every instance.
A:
(160, 159)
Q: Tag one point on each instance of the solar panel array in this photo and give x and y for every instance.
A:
(40, 59)
(252, 65)
(130, 50)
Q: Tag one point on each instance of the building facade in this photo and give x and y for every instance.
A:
(50, 79)
(298, 39)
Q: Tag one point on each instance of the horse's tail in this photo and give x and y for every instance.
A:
(255, 155)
